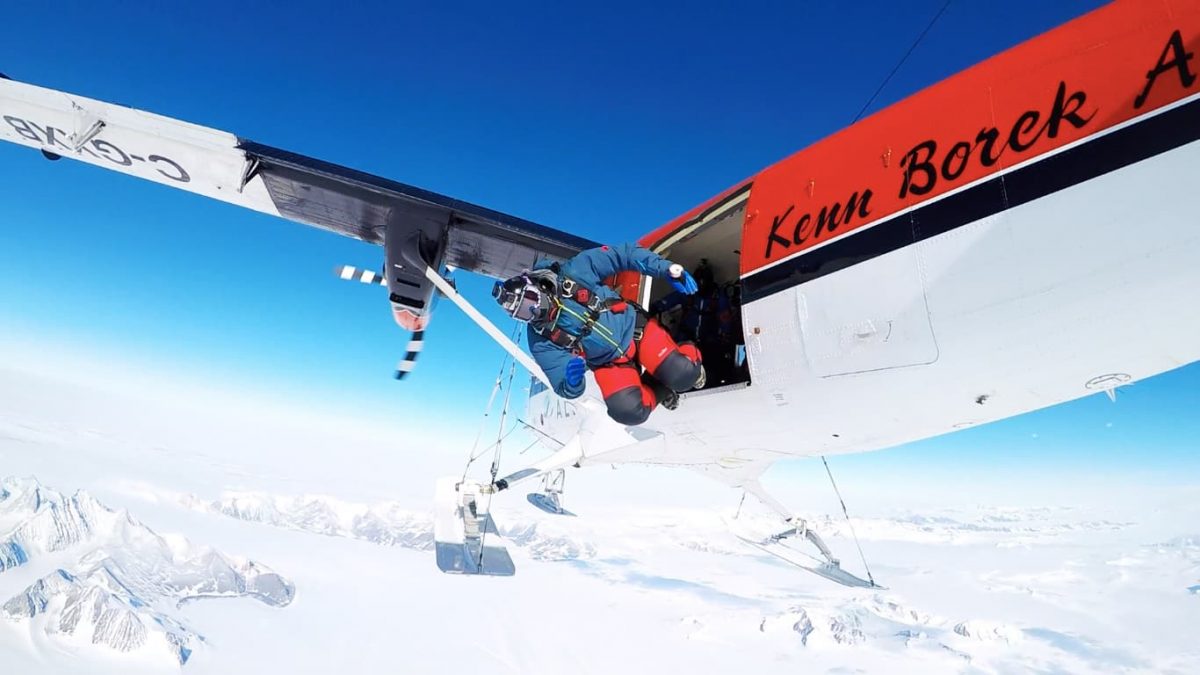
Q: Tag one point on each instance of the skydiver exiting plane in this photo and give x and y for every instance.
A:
(577, 322)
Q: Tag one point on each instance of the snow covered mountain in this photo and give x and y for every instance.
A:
(39, 520)
(126, 580)
(647, 578)
(69, 606)
(385, 523)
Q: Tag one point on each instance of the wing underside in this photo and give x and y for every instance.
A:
(422, 233)
(441, 230)
(364, 206)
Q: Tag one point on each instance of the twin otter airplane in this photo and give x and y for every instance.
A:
(1021, 234)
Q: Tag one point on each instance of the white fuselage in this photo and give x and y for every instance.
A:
(1068, 295)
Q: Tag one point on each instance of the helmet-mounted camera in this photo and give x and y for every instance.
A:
(522, 297)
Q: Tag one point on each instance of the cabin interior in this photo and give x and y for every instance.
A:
(712, 318)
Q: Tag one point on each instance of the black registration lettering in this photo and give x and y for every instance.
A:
(172, 170)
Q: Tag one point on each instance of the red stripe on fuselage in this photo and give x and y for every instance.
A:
(1100, 70)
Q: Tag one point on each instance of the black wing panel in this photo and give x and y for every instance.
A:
(366, 207)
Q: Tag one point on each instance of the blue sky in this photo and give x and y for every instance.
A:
(602, 119)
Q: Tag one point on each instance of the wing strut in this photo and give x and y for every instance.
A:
(846, 513)
(778, 544)
(488, 327)
(463, 518)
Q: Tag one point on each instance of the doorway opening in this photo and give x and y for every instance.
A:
(709, 246)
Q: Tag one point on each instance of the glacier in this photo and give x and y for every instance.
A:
(384, 523)
(127, 579)
(1003, 577)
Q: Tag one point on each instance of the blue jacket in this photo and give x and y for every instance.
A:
(612, 336)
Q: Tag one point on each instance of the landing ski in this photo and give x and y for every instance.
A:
(549, 503)
(822, 568)
(550, 498)
(464, 535)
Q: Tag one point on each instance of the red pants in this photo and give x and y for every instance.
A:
(632, 395)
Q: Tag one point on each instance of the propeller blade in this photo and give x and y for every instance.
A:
(364, 276)
(415, 345)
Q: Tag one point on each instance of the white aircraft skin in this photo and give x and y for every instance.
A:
(902, 318)
(995, 319)
(1084, 288)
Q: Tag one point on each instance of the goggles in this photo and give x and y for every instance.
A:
(520, 298)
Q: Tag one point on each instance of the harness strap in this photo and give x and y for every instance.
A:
(562, 338)
(639, 324)
(591, 325)
(595, 306)
(573, 290)
(639, 331)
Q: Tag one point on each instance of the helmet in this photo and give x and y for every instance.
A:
(522, 298)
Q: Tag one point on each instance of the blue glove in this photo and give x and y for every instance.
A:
(681, 280)
(576, 367)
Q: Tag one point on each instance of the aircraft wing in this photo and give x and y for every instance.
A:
(217, 164)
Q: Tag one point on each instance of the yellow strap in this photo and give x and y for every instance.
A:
(604, 331)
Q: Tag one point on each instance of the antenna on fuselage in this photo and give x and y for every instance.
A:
(899, 63)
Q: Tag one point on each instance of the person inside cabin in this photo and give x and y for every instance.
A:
(578, 322)
(740, 369)
(708, 319)
(690, 312)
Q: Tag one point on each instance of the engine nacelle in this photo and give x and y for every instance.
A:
(409, 250)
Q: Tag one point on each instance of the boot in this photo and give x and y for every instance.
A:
(668, 399)
(662, 393)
